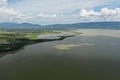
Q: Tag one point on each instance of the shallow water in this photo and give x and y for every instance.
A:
(93, 57)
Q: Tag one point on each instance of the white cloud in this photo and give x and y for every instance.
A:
(46, 16)
(10, 14)
(57, 11)
(104, 15)
(58, 6)
(3, 3)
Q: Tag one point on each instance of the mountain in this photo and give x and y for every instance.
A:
(90, 25)
(16, 25)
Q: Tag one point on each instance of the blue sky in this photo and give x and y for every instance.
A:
(59, 11)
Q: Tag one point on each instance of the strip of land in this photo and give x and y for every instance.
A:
(11, 41)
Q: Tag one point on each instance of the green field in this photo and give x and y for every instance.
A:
(11, 36)
(10, 40)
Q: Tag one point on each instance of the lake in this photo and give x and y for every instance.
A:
(92, 55)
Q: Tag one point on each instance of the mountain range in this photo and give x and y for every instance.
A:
(90, 25)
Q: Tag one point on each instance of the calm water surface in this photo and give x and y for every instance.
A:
(43, 61)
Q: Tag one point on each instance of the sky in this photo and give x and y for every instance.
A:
(46, 12)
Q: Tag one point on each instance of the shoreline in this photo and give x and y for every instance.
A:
(24, 42)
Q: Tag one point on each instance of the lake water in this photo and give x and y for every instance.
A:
(93, 55)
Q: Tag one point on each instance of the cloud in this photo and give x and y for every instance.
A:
(57, 6)
(3, 3)
(46, 16)
(58, 11)
(104, 15)
(10, 14)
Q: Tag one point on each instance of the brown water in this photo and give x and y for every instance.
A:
(100, 60)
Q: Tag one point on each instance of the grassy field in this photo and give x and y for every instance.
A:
(10, 40)
(6, 36)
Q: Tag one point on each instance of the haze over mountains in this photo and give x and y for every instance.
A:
(90, 25)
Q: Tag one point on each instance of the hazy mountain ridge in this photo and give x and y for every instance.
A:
(16, 25)
(91, 25)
